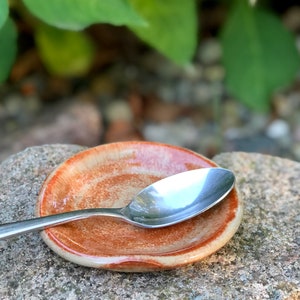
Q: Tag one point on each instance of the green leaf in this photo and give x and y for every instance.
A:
(8, 46)
(65, 53)
(3, 11)
(259, 55)
(172, 27)
(78, 14)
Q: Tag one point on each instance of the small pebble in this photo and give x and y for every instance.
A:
(296, 134)
(291, 18)
(278, 129)
(3, 113)
(214, 73)
(166, 92)
(210, 51)
(34, 104)
(121, 130)
(184, 92)
(202, 93)
(230, 111)
(298, 43)
(14, 105)
(296, 150)
(102, 86)
(159, 111)
(258, 122)
(182, 133)
(193, 72)
(286, 105)
(118, 110)
(164, 68)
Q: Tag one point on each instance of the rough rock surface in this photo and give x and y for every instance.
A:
(260, 262)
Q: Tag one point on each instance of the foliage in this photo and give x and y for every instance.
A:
(172, 30)
(72, 60)
(3, 12)
(78, 14)
(259, 54)
(8, 46)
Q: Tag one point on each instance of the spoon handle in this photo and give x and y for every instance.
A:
(15, 228)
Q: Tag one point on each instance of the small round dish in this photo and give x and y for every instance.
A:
(109, 176)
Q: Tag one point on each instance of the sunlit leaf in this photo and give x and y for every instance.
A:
(259, 54)
(66, 53)
(78, 14)
(8, 46)
(3, 11)
(172, 27)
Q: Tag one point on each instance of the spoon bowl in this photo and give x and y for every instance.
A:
(166, 202)
(179, 197)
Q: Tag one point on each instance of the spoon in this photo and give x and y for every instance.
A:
(166, 202)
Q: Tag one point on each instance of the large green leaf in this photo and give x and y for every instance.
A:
(3, 11)
(65, 53)
(259, 54)
(78, 14)
(8, 46)
(172, 27)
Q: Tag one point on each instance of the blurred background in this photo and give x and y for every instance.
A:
(130, 91)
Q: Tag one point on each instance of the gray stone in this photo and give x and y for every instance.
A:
(118, 110)
(74, 122)
(278, 129)
(260, 262)
(181, 133)
(210, 51)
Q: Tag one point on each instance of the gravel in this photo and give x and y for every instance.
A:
(187, 106)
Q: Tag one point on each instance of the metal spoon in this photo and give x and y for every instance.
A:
(163, 203)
